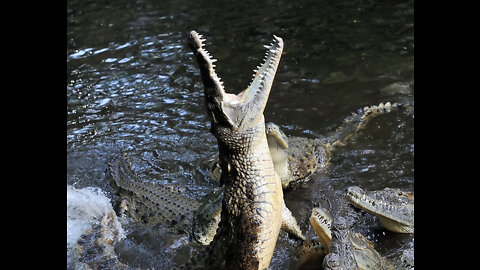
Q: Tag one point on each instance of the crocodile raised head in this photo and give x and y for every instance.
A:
(252, 204)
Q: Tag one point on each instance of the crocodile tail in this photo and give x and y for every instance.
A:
(353, 124)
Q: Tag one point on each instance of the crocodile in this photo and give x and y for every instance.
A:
(252, 204)
(296, 158)
(393, 207)
(345, 249)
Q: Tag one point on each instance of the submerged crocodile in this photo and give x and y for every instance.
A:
(149, 203)
(252, 204)
(345, 249)
(296, 158)
(393, 207)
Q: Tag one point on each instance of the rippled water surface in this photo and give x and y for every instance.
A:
(132, 83)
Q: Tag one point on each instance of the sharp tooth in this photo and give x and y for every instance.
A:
(266, 46)
(388, 106)
(381, 107)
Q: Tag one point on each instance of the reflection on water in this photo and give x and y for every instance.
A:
(132, 83)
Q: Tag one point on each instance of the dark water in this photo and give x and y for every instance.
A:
(132, 83)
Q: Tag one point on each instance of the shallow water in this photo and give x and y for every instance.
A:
(132, 83)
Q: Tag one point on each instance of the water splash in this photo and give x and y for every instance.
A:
(85, 208)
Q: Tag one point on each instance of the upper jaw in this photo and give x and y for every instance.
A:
(244, 110)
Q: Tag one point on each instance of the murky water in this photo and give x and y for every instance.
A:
(132, 83)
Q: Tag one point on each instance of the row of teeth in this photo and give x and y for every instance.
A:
(373, 111)
(380, 108)
(210, 59)
(322, 219)
(364, 198)
(270, 70)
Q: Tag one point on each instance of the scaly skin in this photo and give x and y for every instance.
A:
(207, 217)
(350, 250)
(253, 199)
(295, 158)
(393, 207)
(152, 204)
(408, 259)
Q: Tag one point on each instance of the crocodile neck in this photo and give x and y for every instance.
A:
(253, 199)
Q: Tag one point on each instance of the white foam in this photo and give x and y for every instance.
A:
(86, 207)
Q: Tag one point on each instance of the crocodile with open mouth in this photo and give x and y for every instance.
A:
(393, 207)
(252, 204)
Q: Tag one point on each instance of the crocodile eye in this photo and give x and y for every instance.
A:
(332, 260)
